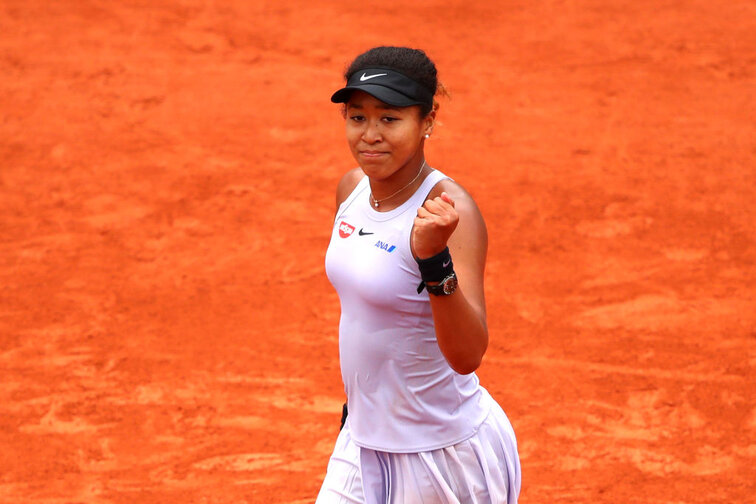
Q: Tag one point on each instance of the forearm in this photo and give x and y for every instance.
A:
(461, 331)
(460, 316)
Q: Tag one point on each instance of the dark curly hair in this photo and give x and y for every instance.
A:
(413, 63)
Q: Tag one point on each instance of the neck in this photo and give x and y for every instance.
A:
(393, 196)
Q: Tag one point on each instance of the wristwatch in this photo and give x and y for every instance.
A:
(445, 287)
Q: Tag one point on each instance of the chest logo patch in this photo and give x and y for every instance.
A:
(345, 229)
(385, 246)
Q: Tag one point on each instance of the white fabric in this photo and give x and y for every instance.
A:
(402, 394)
(484, 469)
(417, 431)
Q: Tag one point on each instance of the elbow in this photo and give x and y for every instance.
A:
(467, 367)
(467, 364)
(467, 359)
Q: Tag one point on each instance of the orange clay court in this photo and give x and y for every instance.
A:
(167, 181)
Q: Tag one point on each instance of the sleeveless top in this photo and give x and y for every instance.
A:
(402, 394)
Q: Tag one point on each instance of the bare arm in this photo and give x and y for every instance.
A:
(451, 218)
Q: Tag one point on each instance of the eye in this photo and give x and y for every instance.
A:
(357, 118)
(390, 119)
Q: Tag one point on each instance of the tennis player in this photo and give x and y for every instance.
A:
(407, 257)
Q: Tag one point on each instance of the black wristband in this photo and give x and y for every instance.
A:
(436, 268)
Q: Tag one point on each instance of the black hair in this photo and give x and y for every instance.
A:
(413, 63)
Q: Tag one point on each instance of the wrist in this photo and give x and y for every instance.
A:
(426, 254)
(437, 270)
(445, 287)
(437, 267)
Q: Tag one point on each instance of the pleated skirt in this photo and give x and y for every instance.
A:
(484, 469)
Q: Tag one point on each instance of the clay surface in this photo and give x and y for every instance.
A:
(167, 181)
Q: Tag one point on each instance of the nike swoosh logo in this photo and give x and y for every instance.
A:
(363, 233)
(364, 77)
(446, 263)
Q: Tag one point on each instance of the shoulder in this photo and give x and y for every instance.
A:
(471, 229)
(449, 186)
(347, 184)
(463, 201)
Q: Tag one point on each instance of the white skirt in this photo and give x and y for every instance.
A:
(484, 469)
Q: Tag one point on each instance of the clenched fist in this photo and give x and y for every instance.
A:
(434, 224)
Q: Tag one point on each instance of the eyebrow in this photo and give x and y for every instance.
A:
(384, 106)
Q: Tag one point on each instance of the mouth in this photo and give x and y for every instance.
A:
(372, 154)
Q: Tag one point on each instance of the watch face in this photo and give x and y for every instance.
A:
(450, 285)
(447, 286)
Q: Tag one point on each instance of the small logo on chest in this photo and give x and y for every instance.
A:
(345, 230)
(385, 246)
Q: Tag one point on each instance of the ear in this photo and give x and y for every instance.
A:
(430, 120)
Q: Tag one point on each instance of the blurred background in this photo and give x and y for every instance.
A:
(167, 181)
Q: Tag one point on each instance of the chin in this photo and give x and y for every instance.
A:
(376, 173)
(372, 166)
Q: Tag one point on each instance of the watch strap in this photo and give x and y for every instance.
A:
(446, 287)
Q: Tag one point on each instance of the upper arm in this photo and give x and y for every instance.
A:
(347, 184)
(468, 244)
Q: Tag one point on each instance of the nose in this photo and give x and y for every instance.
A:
(372, 132)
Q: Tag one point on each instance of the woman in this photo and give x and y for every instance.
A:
(420, 428)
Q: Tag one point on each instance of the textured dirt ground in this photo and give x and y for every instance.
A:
(167, 171)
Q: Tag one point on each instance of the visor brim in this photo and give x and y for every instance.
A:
(382, 93)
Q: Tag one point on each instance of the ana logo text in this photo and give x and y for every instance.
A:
(385, 246)
(345, 230)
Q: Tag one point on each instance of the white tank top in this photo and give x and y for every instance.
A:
(402, 394)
